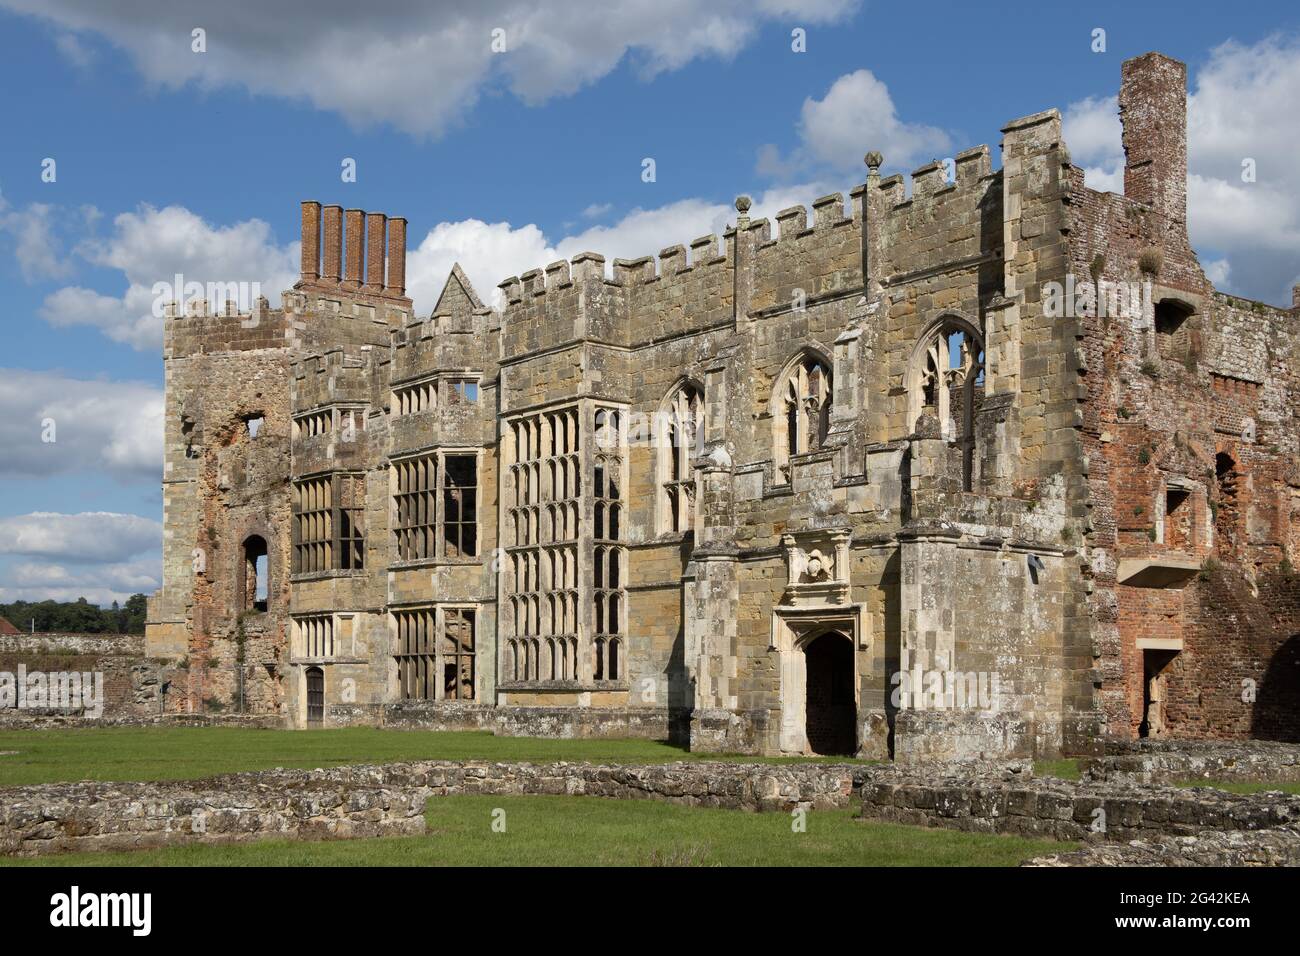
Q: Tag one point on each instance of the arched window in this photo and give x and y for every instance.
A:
(946, 380)
(680, 426)
(801, 409)
(255, 586)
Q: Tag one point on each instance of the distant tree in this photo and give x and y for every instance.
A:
(78, 617)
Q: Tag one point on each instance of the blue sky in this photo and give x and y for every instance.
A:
(172, 159)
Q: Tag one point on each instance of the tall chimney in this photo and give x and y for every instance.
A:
(396, 285)
(354, 225)
(1153, 111)
(333, 239)
(310, 241)
(374, 252)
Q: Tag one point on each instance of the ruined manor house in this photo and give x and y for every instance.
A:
(981, 466)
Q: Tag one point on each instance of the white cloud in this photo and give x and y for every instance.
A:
(98, 426)
(152, 246)
(1092, 131)
(74, 51)
(98, 583)
(91, 536)
(363, 61)
(1241, 106)
(856, 114)
(36, 247)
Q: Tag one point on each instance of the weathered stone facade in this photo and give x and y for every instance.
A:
(847, 482)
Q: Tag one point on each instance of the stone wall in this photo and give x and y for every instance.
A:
(366, 801)
(1065, 809)
(132, 682)
(555, 722)
(1280, 847)
(1180, 761)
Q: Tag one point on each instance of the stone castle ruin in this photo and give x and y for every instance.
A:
(900, 477)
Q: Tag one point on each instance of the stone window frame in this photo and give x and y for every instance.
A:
(314, 636)
(542, 505)
(418, 507)
(330, 536)
(923, 366)
(414, 396)
(423, 649)
(675, 478)
(791, 388)
(609, 523)
(342, 418)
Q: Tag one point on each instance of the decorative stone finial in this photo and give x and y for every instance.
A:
(874, 160)
(742, 204)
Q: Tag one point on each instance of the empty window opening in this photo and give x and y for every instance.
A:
(254, 425)
(460, 506)
(803, 413)
(1178, 513)
(464, 390)
(1172, 330)
(255, 583)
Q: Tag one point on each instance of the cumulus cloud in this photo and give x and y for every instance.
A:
(37, 247)
(51, 424)
(151, 247)
(351, 58)
(491, 252)
(98, 583)
(1241, 107)
(856, 114)
(91, 536)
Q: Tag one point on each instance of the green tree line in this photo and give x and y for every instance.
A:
(77, 617)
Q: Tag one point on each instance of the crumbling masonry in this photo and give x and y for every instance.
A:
(916, 477)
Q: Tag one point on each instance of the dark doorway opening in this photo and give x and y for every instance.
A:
(831, 714)
(315, 697)
(1155, 671)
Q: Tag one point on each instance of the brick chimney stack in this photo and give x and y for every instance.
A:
(333, 241)
(374, 252)
(1153, 111)
(396, 284)
(310, 241)
(355, 229)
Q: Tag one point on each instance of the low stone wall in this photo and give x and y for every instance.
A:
(104, 816)
(1174, 761)
(513, 721)
(1280, 847)
(363, 801)
(1091, 810)
(58, 720)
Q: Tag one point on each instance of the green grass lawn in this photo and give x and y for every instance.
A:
(179, 753)
(1065, 769)
(590, 831)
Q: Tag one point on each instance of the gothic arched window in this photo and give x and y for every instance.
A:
(681, 423)
(801, 409)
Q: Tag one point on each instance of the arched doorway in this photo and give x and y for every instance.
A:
(254, 585)
(315, 697)
(830, 703)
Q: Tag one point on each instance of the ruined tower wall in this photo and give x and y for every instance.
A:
(1169, 391)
